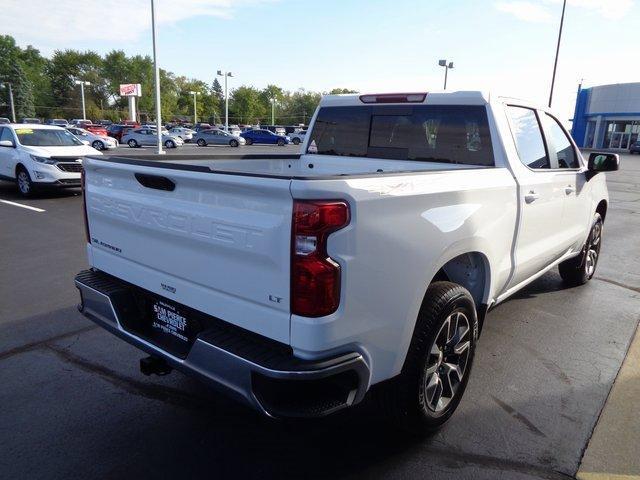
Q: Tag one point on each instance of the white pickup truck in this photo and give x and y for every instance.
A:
(298, 283)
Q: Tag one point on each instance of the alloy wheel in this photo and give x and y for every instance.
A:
(593, 249)
(24, 183)
(447, 362)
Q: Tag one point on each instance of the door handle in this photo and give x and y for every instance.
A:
(569, 189)
(531, 197)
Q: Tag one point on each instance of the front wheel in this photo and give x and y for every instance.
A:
(281, 142)
(169, 144)
(234, 143)
(249, 141)
(579, 270)
(296, 141)
(98, 145)
(25, 185)
(201, 142)
(438, 364)
(132, 143)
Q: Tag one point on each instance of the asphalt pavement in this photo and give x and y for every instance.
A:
(74, 404)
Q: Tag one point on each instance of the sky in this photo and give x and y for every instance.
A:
(504, 46)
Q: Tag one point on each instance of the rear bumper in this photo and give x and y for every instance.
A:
(250, 368)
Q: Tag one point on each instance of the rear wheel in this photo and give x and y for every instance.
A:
(296, 141)
(98, 145)
(437, 367)
(132, 143)
(579, 270)
(201, 142)
(170, 144)
(281, 142)
(249, 141)
(234, 143)
(25, 185)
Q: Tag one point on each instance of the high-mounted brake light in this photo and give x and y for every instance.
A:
(84, 206)
(315, 277)
(394, 98)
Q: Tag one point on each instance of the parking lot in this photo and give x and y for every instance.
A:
(74, 404)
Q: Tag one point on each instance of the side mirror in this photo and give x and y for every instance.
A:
(603, 162)
(6, 143)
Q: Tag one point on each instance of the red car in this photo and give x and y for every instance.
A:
(118, 130)
(95, 128)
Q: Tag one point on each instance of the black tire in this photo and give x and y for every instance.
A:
(132, 143)
(170, 144)
(281, 142)
(579, 270)
(407, 398)
(234, 143)
(23, 182)
(98, 145)
(296, 141)
(201, 142)
(249, 141)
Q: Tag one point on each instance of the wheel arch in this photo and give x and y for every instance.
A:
(602, 209)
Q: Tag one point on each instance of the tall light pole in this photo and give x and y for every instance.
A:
(13, 107)
(273, 111)
(195, 106)
(156, 72)
(555, 64)
(226, 75)
(82, 83)
(447, 67)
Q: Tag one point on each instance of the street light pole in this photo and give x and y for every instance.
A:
(156, 69)
(82, 83)
(226, 97)
(195, 105)
(13, 107)
(555, 64)
(273, 111)
(447, 67)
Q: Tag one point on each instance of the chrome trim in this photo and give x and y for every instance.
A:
(212, 364)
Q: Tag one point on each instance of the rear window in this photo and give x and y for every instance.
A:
(432, 133)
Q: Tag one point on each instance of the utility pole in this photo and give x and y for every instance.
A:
(195, 106)
(273, 113)
(226, 75)
(555, 64)
(156, 69)
(82, 83)
(13, 107)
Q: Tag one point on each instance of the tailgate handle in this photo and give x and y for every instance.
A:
(155, 181)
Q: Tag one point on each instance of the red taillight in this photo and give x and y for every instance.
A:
(315, 277)
(84, 207)
(394, 98)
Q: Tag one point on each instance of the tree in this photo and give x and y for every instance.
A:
(12, 71)
(340, 91)
(246, 106)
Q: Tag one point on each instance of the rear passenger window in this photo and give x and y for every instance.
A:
(528, 137)
(430, 133)
(562, 145)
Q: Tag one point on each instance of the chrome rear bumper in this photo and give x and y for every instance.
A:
(268, 379)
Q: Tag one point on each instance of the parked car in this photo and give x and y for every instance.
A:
(370, 260)
(95, 128)
(217, 137)
(186, 134)
(38, 156)
(298, 137)
(104, 122)
(140, 137)
(31, 120)
(59, 122)
(4, 120)
(635, 147)
(80, 122)
(99, 142)
(118, 130)
(265, 137)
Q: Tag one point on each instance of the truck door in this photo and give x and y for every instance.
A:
(541, 237)
(576, 214)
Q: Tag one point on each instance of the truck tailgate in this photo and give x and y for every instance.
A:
(218, 243)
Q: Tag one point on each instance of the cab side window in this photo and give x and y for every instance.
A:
(567, 157)
(528, 137)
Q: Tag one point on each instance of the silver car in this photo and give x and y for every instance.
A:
(99, 142)
(217, 137)
(185, 134)
(141, 137)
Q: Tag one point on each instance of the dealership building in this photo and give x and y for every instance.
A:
(607, 116)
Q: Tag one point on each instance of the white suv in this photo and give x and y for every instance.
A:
(41, 156)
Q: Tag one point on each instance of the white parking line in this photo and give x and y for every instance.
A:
(39, 210)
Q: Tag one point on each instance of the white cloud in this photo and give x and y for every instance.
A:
(545, 11)
(68, 23)
(527, 11)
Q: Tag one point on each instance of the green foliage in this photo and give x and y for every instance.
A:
(46, 88)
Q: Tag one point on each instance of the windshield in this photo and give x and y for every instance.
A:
(40, 137)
